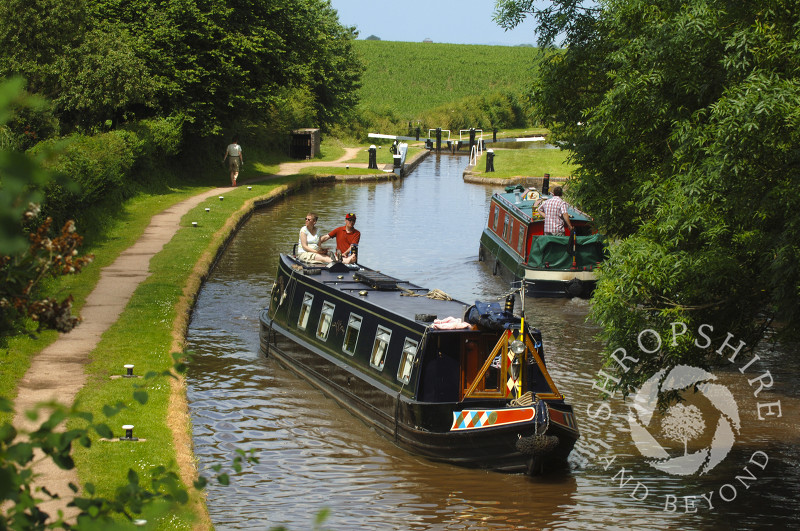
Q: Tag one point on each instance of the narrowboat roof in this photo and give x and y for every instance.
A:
(397, 296)
(517, 201)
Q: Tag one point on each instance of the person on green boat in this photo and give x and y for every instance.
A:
(555, 214)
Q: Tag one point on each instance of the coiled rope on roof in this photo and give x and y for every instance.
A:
(436, 294)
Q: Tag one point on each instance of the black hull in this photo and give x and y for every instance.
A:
(491, 449)
(421, 427)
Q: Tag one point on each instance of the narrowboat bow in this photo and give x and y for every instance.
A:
(464, 384)
(514, 245)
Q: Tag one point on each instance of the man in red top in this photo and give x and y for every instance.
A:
(346, 238)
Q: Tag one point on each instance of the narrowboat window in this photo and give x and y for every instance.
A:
(407, 360)
(325, 319)
(505, 227)
(351, 336)
(496, 216)
(521, 239)
(305, 311)
(379, 349)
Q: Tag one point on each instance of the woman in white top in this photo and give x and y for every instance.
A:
(309, 242)
(234, 155)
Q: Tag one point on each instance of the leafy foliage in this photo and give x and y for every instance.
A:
(21, 275)
(140, 498)
(683, 119)
(24, 264)
(216, 63)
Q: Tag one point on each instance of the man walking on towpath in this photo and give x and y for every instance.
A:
(555, 214)
(234, 155)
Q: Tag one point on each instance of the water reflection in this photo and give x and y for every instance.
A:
(313, 454)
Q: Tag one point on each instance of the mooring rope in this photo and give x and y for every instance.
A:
(436, 294)
(523, 401)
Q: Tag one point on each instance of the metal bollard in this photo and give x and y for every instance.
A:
(489, 160)
(128, 433)
(373, 157)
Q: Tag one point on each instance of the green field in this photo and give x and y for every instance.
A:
(408, 78)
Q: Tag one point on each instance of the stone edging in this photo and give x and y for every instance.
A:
(380, 177)
(536, 182)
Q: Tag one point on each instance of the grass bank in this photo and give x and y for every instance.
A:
(514, 163)
(148, 332)
(130, 220)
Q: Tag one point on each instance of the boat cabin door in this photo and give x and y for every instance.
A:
(473, 358)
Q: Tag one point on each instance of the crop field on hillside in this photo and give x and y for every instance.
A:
(409, 78)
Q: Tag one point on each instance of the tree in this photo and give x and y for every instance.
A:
(683, 119)
(216, 63)
(683, 423)
(105, 81)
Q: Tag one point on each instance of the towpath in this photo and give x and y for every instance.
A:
(57, 372)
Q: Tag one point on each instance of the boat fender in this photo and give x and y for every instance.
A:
(536, 444)
(425, 317)
(574, 287)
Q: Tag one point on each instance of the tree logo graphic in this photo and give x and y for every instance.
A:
(683, 423)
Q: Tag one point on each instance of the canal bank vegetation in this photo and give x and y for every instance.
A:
(186, 82)
(688, 161)
(151, 475)
(526, 162)
(161, 305)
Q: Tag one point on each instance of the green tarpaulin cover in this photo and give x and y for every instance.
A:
(555, 251)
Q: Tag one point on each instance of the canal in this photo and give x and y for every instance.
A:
(313, 455)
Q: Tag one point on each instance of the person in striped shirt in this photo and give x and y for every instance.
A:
(555, 214)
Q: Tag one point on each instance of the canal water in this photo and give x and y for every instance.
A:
(313, 455)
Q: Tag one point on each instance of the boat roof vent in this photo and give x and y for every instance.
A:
(377, 280)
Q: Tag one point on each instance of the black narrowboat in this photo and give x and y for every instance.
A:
(463, 384)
